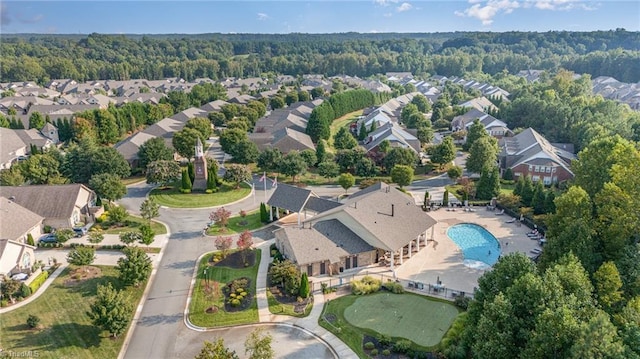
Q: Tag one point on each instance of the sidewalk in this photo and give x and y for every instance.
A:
(40, 291)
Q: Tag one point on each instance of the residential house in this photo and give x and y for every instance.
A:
(396, 135)
(530, 154)
(495, 128)
(17, 222)
(62, 206)
(15, 144)
(479, 103)
(15, 257)
(374, 224)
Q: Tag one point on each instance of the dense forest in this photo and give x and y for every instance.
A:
(121, 57)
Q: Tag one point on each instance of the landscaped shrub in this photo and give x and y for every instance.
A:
(37, 282)
(394, 287)
(30, 240)
(25, 291)
(386, 352)
(374, 352)
(383, 340)
(369, 345)
(4, 303)
(366, 285)
(33, 321)
(401, 346)
(235, 302)
(462, 302)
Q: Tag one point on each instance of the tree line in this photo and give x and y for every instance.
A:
(120, 57)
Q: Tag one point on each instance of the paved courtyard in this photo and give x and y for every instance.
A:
(444, 260)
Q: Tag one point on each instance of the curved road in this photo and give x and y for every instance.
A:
(160, 331)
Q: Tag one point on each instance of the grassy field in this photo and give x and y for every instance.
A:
(227, 193)
(408, 316)
(234, 226)
(134, 223)
(200, 300)
(418, 313)
(276, 307)
(66, 331)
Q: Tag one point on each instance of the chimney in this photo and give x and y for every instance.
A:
(392, 208)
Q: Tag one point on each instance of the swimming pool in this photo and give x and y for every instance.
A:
(480, 248)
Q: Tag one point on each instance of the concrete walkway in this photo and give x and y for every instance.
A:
(38, 293)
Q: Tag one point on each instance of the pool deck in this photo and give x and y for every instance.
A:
(442, 258)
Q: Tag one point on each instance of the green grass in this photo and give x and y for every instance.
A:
(227, 193)
(424, 320)
(340, 122)
(66, 331)
(131, 180)
(200, 300)
(134, 223)
(234, 226)
(276, 307)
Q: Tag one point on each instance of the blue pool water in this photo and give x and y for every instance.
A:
(480, 248)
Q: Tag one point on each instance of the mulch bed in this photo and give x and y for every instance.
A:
(393, 355)
(283, 298)
(82, 274)
(234, 260)
(245, 303)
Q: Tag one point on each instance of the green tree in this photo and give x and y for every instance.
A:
(425, 133)
(106, 127)
(109, 160)
(549, 205)
(343, 140)
(321, 151)
(508, 174)
(269, 159)
(362, 132)
(276, 102)
(185, 186)
(346, 181)
(218, 119)
(527, 191)
(293, 164)
(108, 186)
(130, 237)
(422, 103)
(202, 125)
(147, 235)
(264, 215)
(41, 169)
(245, 152)
(149, 209)
(539, 197)
(216, 350)
(11, 177)
(191, 172)
(444, 152)
(402, 175)
(304, 286)
(36, 120)
(445, 198)
(400, 156)
(607, 285)
(184, 141)
(309, 157)
(135, 267)
(237, 174)
(454, 172)
(482, 155)
(117, 214)
(95, 236)
(81, 256)
(229, 139)
(63, 235)
(153, 150)
(110, 310)
(258, 345)
(163, 172)
(475, 132)
(328, 169)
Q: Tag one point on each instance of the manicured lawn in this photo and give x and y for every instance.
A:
(401, 316)
(133, 224)
(227, 193)
(66, 331)
(234, 226)
(200, 300)
(131, 180)
(276, 307)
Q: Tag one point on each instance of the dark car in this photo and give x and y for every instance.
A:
(49, 238)
(79, 231)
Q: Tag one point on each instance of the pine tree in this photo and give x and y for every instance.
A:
(191, 171)
(527, 192)
(538, 200)
(445, 198)
(186, 182)
(508, 175)
(494, 182)
(362, 134)
(264, 215)
(304, 286)
(211, 181)
(321, 151)
(519, 186)
(549, 202)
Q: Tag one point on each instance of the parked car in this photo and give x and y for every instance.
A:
(20, 276)
(48, 238)
(79, 231)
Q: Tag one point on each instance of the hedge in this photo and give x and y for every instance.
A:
(38, 281)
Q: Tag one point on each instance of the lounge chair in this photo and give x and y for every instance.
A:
(511, 220)
(500, 213)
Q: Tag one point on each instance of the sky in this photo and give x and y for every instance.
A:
(314, 16)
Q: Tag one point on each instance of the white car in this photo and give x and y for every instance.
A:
(20, 276)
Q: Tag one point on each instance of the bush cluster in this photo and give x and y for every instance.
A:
(37, 282)
(394, 287)
(366, 285)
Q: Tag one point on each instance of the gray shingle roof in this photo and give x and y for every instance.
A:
(327, 240)
(47, 201)
(317, 204)
(16, 220)
(289, 197)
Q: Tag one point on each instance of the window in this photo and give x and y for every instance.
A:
(310, 270)
(548, 169)
(535, 178)
(537, 169)
(355, 261)
(530, 168)
(546, 180)
(517, 174)
(323, 269)
(347, 263)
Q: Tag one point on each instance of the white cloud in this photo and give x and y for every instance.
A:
(405, 6)
(486, 10)
(262, 16)
(385, 2)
